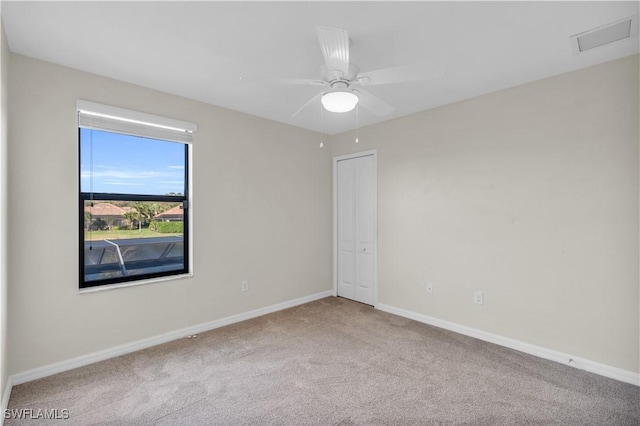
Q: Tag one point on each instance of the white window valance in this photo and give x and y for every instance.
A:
(108, 118)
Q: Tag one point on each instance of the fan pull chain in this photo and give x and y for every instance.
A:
(357, 121)
(321, 126)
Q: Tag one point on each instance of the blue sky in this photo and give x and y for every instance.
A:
(129, 164)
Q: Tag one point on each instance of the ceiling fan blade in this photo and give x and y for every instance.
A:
(302, 82)
(373, 103)
(334, 43)
(400, 74)
(309, 102)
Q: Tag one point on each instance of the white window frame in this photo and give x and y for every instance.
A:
(104, 117)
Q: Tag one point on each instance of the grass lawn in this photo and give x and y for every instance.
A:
(122, 234)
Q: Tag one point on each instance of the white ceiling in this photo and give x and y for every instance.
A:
(233, 53)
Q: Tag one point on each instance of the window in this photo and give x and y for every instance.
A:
(134, 195)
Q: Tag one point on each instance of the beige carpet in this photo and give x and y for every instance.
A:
(330, 362)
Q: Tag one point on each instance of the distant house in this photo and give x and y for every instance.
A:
(106, 215)
(174, 214)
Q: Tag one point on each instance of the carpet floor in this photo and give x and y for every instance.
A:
(329, 362)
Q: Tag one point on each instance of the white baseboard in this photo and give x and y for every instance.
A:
(550, 354)
(48, 370)
(5, 398)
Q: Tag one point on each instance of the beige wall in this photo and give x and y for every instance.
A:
(4, 68)
(262, 212)
(529, 194)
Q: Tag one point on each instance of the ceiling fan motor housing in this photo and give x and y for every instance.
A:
(335, 75)
(339, 85)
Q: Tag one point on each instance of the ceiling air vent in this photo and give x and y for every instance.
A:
(619, 30)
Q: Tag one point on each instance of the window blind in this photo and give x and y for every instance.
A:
(96, 116)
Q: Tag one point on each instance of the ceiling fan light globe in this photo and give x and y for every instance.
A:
(339, 101)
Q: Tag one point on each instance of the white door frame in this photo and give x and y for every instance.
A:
(373, 152)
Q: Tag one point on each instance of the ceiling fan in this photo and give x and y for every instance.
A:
(344, 81)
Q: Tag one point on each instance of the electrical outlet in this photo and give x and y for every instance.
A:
(429, 288)
(478, 298)
(244, 286)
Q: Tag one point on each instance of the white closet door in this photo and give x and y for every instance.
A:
(356, 245)
(346, 229)
(365, 228)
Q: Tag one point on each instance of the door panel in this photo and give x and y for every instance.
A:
(365, 228)
(365, 264)
(346, 229)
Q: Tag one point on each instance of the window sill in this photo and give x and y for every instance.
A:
(134, 283)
